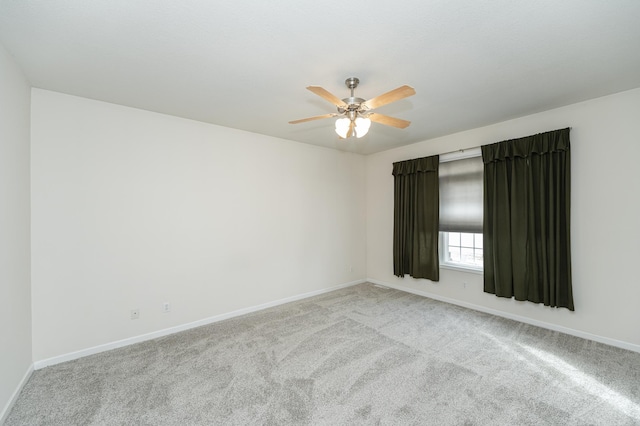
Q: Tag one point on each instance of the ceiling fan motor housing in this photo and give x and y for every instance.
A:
(353, 104)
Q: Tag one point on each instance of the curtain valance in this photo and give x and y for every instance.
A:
(542, 143)
(416, 165)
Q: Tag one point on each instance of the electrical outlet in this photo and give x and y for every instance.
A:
(135, 313)
(166, 307)
(464, 285)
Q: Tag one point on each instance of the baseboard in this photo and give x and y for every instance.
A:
(167, 331)
(541, 324)
(14, 397)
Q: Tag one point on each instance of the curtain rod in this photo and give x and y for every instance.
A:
(459, 150)
(460, 154)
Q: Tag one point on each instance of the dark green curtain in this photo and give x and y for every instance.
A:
(527, 208)
(415, 219)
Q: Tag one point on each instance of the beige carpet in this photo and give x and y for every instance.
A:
(361, 355)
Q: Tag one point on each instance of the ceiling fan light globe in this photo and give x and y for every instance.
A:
(342, 126)
(360, 133)
(362, 126)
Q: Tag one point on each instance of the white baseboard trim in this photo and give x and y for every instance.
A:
(14, 397)
(530, 321)
(167, 331)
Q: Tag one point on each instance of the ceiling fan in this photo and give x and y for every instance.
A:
(356, 115)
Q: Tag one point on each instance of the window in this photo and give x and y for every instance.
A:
(461, 249)
(461, 239)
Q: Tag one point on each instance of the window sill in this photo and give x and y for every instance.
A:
(478, 271)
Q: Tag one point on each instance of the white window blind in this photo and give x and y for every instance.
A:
(461, 190)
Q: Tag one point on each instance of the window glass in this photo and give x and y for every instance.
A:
(454, 239)
(466, 240)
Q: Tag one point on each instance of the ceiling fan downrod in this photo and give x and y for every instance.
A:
(352, 83)
(353, 103)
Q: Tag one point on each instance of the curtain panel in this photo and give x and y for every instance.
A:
(415, 219)
(527, 209)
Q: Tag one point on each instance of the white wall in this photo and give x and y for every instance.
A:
(15, 290)
(131, 209)
(605, 146)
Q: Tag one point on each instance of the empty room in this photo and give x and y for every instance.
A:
(319, 213)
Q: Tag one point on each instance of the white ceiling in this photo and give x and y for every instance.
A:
(245, 64)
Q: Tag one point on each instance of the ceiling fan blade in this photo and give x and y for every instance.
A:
(327, 96)
(392, 96)
(317, 117)
(389, 121)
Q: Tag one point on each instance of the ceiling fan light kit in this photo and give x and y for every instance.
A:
(360, 126)
(355, 113)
